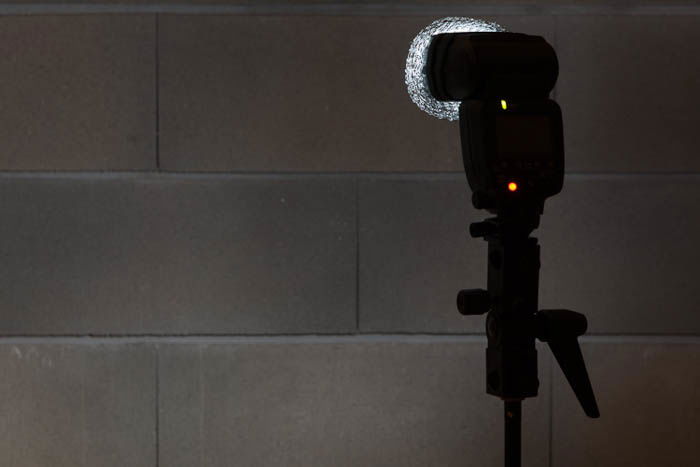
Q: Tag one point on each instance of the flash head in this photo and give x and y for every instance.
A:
(482, 65)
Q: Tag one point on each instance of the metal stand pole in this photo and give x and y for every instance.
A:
(512, 432)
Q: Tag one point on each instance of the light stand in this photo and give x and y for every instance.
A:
(513, 323)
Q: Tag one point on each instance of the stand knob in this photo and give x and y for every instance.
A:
(473, 301)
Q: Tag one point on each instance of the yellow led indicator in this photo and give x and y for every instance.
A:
(512, 186)
(504, 104)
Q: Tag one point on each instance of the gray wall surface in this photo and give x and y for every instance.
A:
(230, 238)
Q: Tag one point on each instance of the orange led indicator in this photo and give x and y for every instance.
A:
(512, 186)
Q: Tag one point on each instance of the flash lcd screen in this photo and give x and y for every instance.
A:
(523, 136)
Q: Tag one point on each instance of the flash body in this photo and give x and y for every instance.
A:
(511, 132)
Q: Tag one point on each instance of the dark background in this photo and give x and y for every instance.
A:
(228, 237)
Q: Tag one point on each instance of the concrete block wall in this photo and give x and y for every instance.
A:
(229, 238)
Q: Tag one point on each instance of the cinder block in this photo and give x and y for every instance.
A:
(78, 92)
(341, 404)
(181, 434)
(298, 93)
(177, 254)
(620, 249)
(416, 254)
(649, 398)
(628, 89)
(77, 405)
